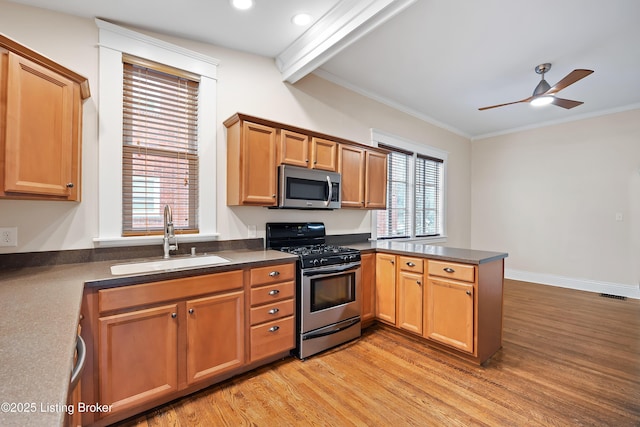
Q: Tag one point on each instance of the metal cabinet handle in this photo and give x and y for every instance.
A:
(392, 261)
(81, 350)
(410, 264)
(70, 185)
(274, 292)
(274, 274)
(274, 328)
(274, 310)
(418, 282)
(449, 270)
(191, 311)
(174, 315)
(468, 292)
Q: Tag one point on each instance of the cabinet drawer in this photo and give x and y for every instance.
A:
(272, 338)
(271, 293)
(167, 290)
(411, 264)
(452, 270)
(272, 274)
(274, 311)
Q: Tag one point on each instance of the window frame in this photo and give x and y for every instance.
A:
(417, 150)
(114, 42)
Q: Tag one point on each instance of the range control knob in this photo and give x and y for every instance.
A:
(323, 261)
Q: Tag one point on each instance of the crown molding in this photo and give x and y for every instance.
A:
(344, 24)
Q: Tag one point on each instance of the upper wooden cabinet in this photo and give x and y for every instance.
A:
(298, 149)
(251, 163)
(40, 125)
(364, 177)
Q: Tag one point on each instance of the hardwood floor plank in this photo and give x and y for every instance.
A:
(569, 358)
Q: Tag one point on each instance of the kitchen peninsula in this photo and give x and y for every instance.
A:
(55, 294)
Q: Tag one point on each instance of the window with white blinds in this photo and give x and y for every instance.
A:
(160, 147)
(427, 196)
(414, 196)
(395, 220)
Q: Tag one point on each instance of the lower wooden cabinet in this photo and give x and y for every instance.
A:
(410, 291)
(386, 288)
(450, 313)
(138, 359)
(368, 288)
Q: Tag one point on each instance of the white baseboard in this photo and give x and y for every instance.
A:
(629, 291)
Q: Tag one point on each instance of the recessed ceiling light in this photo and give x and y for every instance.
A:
(242, 4)
(301, 19)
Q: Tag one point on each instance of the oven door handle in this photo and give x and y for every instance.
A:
(329, 271)
(311, 336)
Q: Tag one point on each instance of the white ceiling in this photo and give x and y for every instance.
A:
(439, 60)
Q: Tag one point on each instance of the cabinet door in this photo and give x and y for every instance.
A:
(410, 292)
(450, 313)
(215, 330)
(138, 356)
(352, 170)
(386, 288)
(376, 180)
(293, 148)
(324, 154)
(41, 111)
(367, 279)
(258, 164)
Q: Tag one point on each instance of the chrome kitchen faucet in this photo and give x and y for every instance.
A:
(169, 232)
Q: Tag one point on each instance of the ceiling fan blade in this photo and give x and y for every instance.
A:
(508, 103)
(565, 103)
(569, 79)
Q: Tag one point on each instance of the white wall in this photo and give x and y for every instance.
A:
(247, 83)
(550, 197)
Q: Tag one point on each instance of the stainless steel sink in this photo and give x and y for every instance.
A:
(167, 264)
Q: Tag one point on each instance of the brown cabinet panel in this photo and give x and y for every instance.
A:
(293, 149)
(39, 159)
(450, 313)
(376, 180)
(368, 280)
(138, 356)
(272, 293)
(215, 329)
(452, 270)
(386, 288)
(410, 289)
(272, 274)
(273, 311)
(272, 338)
(324, 154)
(352, 166)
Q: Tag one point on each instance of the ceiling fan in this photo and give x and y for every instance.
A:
(544, 94)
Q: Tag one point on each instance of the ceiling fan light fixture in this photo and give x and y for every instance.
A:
(541, 100)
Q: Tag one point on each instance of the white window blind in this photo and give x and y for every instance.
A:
(160, 150)
(395, 220)
(414, 196)
(428, 189)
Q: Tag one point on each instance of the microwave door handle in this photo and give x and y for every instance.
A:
(330, 191)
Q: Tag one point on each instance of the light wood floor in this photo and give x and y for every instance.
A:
(569, 358)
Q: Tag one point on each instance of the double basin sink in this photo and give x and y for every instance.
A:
(167, 264)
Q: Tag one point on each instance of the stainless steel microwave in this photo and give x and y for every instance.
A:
(302, 188)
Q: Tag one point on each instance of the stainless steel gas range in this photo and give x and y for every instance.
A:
(327, 284)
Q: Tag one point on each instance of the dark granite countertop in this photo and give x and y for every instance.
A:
(39, 313)
(426, 250)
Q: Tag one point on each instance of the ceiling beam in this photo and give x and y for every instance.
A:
(344, 24)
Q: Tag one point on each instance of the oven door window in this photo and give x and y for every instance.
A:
(332, 291)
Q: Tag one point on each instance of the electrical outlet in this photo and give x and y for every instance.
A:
(8, 236)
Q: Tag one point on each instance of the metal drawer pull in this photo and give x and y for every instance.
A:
(449, 270)
(274, 328)
(274, 292)
(191, 311)
(410, 264)
(274, 310)
(418, 282)
(174, 315)
(468, 292)
(274, 273)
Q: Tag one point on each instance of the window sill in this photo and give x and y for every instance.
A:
(424, 240)
(114, 242)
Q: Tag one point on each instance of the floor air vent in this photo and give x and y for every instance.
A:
(614, 296)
